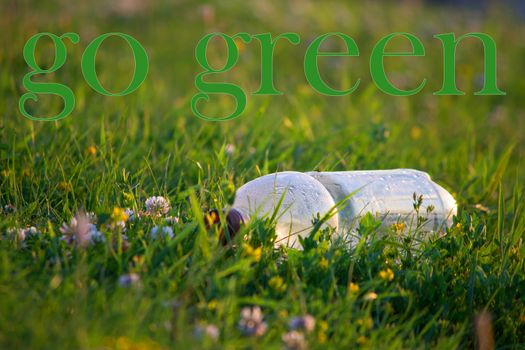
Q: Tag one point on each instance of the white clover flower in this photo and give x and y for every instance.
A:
(252, 322)
(81, 231)
(129, 280)
(157, 206)
(161, 232)
(306, 323)
(210, 331)
(294, 340)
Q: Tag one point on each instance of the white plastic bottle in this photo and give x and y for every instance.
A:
(386, 194)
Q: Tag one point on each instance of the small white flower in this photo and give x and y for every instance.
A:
(162, 231)
(9, 209)
(210, 331)
(229, 149)
(294, 340)
(92, 217)
(170, 220)
(129, 8)
(157, 206)
(252, 322)
(306, 322)
(131, 214)
(23, 233)
(128, 280)
(81, 231)
(117, 225)
(122, 225)
(207, 14)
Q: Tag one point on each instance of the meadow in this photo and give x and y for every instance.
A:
(178, 288)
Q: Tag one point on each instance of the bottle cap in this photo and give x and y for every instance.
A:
(234, 221)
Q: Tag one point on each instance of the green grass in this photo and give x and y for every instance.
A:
(53, 296)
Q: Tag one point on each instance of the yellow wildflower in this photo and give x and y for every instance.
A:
(366, 322)
(119, 215)
(323, 263)
(91, 151)
(415, 132)
(240, 45)
(123, 343)
(212, 304)
(387, 274)
(370, 296)
(361, 340)
(288, 123)
(353, 287)
(398, 227)
(304, 89)
(277, 284)
(254, 253)
(65, 186)
(283, 314)
(138, 259)
(321, 335)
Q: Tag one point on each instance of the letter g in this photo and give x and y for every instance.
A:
(47, 88)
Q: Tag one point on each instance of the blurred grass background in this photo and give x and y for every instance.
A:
(150, 143)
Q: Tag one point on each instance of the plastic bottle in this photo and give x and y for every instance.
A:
(298, 198)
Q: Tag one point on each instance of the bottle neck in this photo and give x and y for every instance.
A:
(239, 213)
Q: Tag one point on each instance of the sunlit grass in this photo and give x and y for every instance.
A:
(115, 152)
